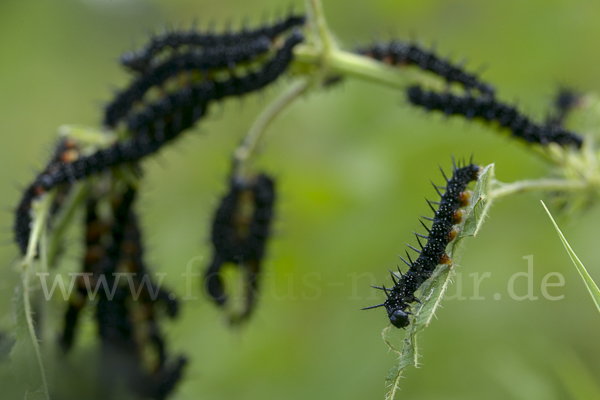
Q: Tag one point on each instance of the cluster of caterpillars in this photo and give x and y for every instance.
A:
(175, 79)
(133, 350)
(477, 102)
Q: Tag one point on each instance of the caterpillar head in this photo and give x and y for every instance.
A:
(399, 318)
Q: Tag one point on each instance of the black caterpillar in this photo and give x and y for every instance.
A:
(141, 60)
(240, 230)
(95, 251)
(489, 109)
(396, 52)
(433, 253)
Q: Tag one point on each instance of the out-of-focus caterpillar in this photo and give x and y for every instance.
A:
(240, 230)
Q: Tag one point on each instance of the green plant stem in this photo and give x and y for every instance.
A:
(395, 386)
(543, 185)
(320, 25)
(255, 135)
(42, 209)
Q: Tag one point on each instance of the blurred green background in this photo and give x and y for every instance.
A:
(353, 165)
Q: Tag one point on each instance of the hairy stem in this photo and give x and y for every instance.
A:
(543, 185)
(42, 209)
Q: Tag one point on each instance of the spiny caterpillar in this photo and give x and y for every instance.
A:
(401, 53)
(240, 230)
(489, 109)
(95, 250)
(109, 245)
(140, 61)
(433, 253)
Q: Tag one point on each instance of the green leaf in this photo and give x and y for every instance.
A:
(587, 279)
(480, 203)
(432, 291)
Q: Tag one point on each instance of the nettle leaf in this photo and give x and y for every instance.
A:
(480, 204)
(432, 291)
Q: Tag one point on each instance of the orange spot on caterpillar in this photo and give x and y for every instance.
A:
(94, 254)
(39, 190)
(69, 155)
(95, 230)
(458, 216)
(445, 259)
(129, 247)
(464, 197)
(452, 234)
